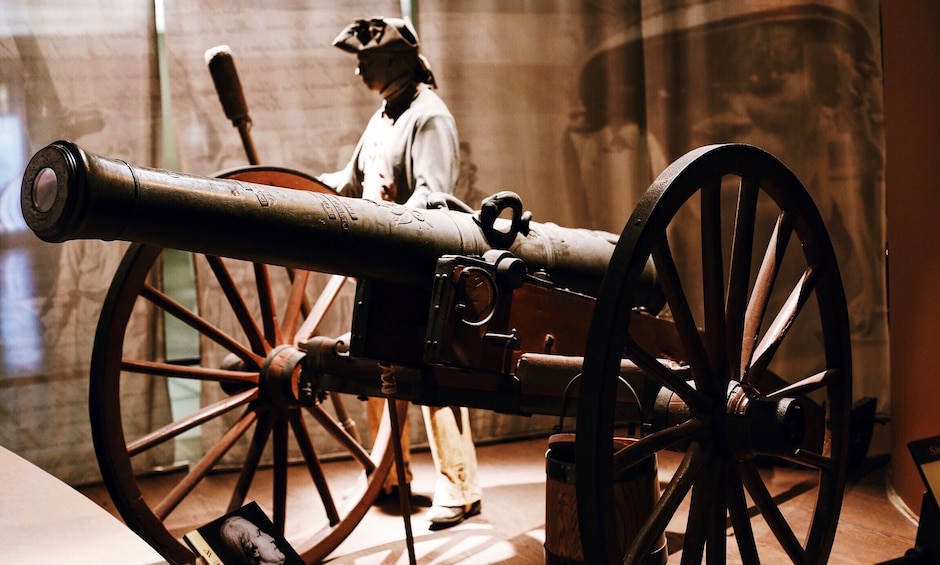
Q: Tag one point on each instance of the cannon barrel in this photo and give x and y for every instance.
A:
(68, 193)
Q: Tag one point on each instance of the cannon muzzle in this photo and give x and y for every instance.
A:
(68, 193)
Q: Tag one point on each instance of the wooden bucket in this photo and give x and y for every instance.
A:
(636, 490)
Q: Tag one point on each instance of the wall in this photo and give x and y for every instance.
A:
(911, 49)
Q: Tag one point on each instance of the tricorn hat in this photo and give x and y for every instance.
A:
(378, 34)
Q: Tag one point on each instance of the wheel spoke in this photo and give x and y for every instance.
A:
(279, 488)
(771, 513)
(739, 273)
(740, 519)
(705, 499)
(713, 285)
(805, 386)
(201, 416)
(266, 302)
(238, 305)
(300, 275)
(819, 461)
(764, 284)
(199, 471)
(252, 459)
(163, 369)
(346, 423)
(628, 456)
(696, 400)
(335, 430)
(199, 324)
(668, 276)
(309, 328)
(313, 466)
(716, 547)
(296, 302)
(686, 474)
(781, 325)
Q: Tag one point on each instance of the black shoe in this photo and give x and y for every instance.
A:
(446, 516)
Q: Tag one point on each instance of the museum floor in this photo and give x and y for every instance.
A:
(511, 527)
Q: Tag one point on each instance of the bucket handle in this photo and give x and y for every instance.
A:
(559, 428)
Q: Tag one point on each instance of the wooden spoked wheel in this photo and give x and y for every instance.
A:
(246, 426)
(763, 377)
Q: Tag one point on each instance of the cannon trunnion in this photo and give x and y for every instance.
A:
(715, 326)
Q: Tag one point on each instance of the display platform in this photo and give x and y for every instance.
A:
(47, 521)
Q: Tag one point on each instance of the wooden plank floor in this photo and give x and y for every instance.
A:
(511, 528)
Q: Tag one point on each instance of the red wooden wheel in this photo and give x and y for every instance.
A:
(252, 424)
(755, 296)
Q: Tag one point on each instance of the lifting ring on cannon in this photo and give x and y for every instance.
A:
(755, 242)
(492, 208)
(256, 378)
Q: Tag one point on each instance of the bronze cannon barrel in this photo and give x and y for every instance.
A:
(68, 193)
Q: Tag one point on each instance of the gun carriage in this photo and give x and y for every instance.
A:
(505, 314)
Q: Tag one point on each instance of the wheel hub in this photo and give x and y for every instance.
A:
(280, 377)
(748, 424)
(757, 425)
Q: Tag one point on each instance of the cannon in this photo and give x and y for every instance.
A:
(677, 334)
